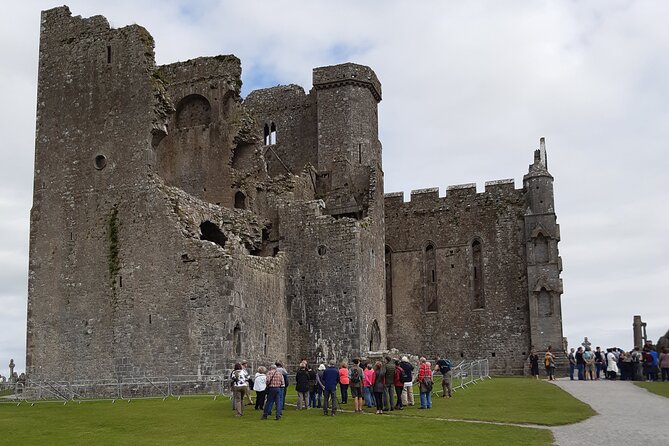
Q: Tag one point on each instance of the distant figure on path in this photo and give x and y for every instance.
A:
(444, 366)
(275, 385)
(664, 364)
(549, 363)
(344, 381)
(407, 393)
(260, 387)
(302, 386)
(572, 363)
(580, 363)
(611, 364)
(589, 358)
(330, 381)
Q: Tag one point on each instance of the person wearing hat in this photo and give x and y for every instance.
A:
(407, 392)
(320, 385)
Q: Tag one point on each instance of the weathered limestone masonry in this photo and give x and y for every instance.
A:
(475, 274)
(176, 229)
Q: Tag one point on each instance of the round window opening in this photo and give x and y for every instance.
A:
(322, 250)
(100, 162)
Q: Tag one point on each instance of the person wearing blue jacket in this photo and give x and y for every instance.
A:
(330, 381)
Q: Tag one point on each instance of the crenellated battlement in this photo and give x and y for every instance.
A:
(456, 191)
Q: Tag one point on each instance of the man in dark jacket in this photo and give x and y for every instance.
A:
(407, 393)
(330, 381)
(302, 386)
(389, 390)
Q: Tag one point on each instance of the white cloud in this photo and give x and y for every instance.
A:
(469, 87)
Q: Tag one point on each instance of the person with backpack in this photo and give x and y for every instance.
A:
(399, 385)
(425, 382)
(355, 384)
(444, 366)
(407, 379)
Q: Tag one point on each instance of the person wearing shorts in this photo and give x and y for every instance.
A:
(357, 377)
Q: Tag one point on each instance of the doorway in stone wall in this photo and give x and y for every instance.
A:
(374, 337)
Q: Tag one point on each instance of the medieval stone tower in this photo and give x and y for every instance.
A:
(177, 228)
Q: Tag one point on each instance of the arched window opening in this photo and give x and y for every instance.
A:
(477, 275)
(541, 249)
(430, 279)
(193, 110)
(212, 233)
(272, 134)
(544, 303)
(389, 281)
(374, 337)
(266, 134)
(240, 200)
(237, 341)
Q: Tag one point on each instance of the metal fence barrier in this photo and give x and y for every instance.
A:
(462, 375)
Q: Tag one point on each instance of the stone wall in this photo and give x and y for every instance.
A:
(456, 325)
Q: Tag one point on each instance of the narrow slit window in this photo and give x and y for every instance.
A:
(430, 279)
(109, 54)
(477, 275)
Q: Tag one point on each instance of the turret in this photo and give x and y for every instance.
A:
(542, 234)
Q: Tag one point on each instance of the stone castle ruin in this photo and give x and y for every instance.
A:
(177, 228)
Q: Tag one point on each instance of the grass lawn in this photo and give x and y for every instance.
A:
(201, 420)
(510, 400)
(657, 387)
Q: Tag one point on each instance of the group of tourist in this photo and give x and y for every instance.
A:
(385, 384)
(637, 364)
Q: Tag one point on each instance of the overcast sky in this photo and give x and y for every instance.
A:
(468, 90)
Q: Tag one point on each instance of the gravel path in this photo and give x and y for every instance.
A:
(627, 415)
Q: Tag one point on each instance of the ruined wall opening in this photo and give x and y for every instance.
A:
(389, 281)
(269, 134)
(374, 337)
(240, 200)
(272, 134)
(193, 110)
(430, 278)
(212, 233)
(237, 341)
(477, 275)
(544, 303)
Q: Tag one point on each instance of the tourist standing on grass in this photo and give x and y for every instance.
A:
(389, 390)
(344, 381)
(302, 386)
(444, 366)
(245, 367)
(356, 383)
(589, 358)
(572, 363)
(425, 383)
(664, 364)
(275, 386)
(379, 386)
(407, 392)
(398, 384)
(284, 372)
(549, 363)
(260, 387)
(312, 386)
(330, 381)
(320, 385)
(368, 384)
(534, 364)
(240, 387)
